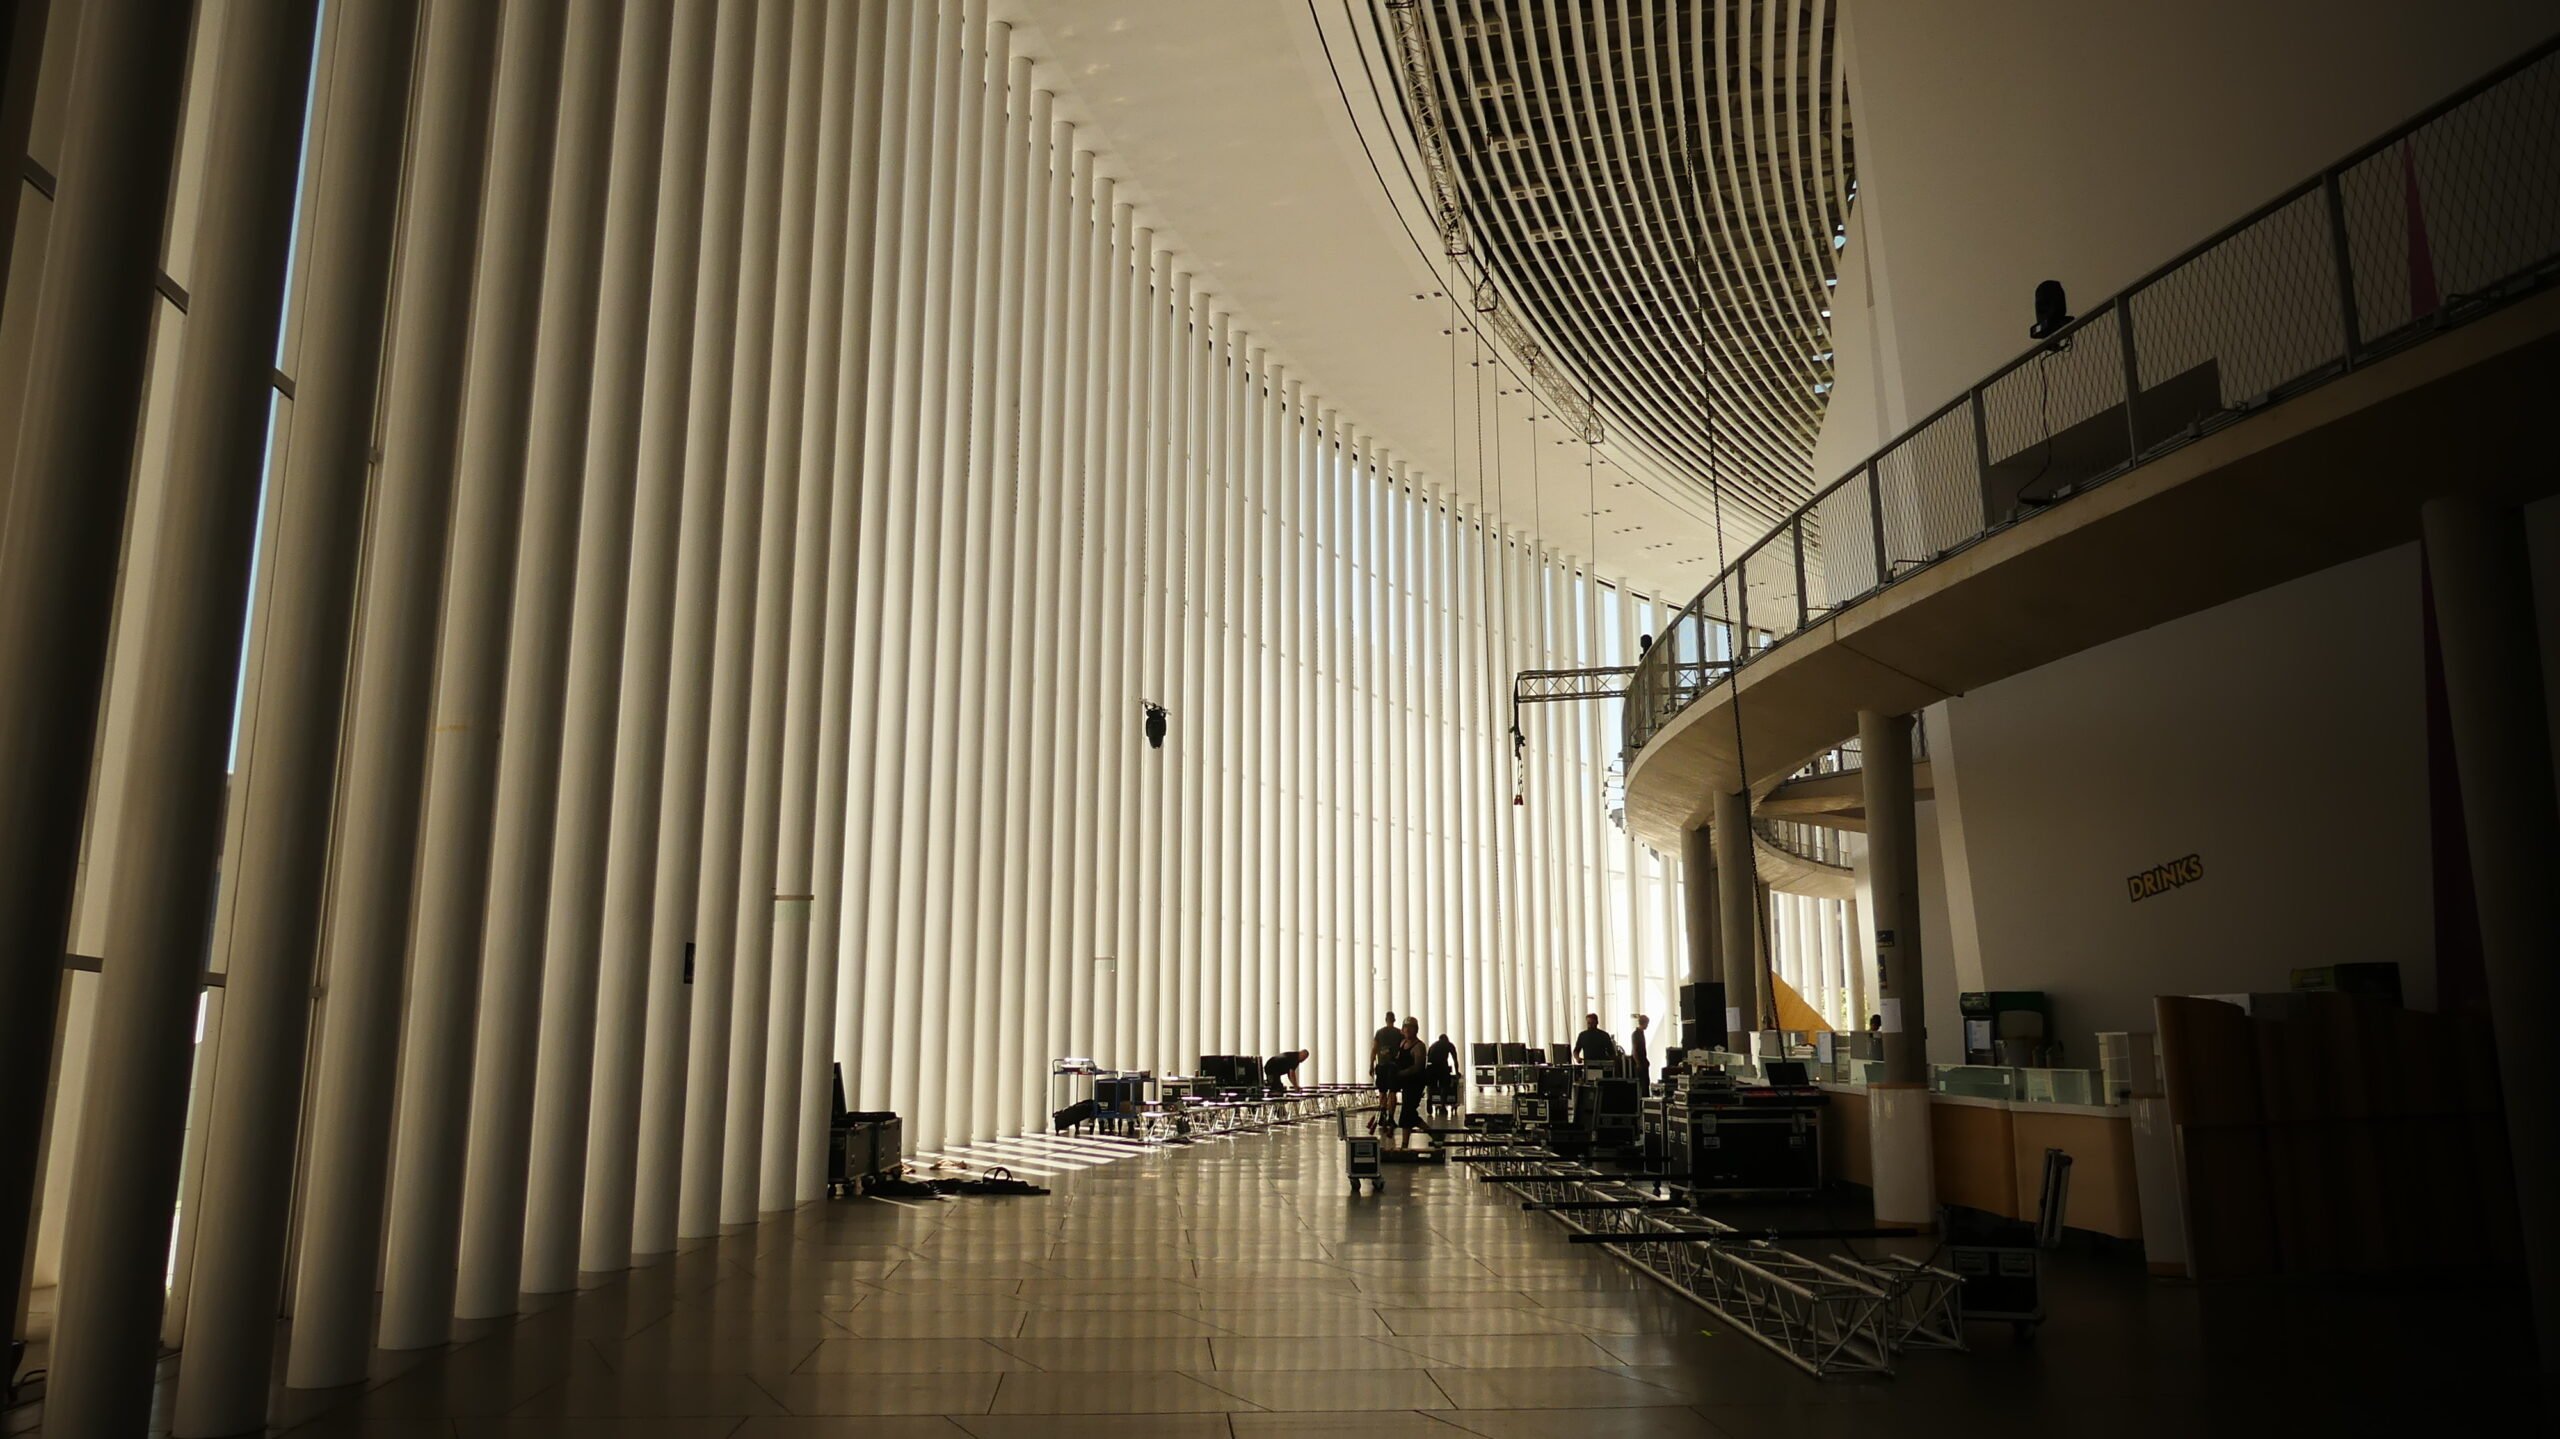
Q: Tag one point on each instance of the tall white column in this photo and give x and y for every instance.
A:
(1899, 1124)
(788, 518)
(500, 1098)
(1221, 811)
(1285, 686)
(1063, 886)
(944, 970)
(872, 186)
(115, 1242)
(742, 530)
(1044, 600)
(1111, 711)
(1175, 858)
(954, 194)
(462, 762)
(646, 109)
(899, 363)
(816, 567)
(62, 529)
(1093, 911)
(674, 894)
(291, 749)
(1145, 992)
(375, 853)
(976, 895)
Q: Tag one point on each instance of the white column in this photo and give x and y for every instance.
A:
(375, 853)
(1136, 1010)
(1222, 809)
(978, 893)
(816, 567)
(1147, 1037)
(1291, 712)
(1254, 582)
(1030, 641)
(675, 886)
(1082, 916)
(1107, 638)
(921, 463)
(462, 763)
(875, 146)
(786, 520)
(771, 434)
(1049, 846)
(89, 356)
(275, 882)
(645, 109)
(1178, 1014)
(899, 342)
(536, 677)
(951, 828)
(742, 534)
(1084, 797)
(115, 1243)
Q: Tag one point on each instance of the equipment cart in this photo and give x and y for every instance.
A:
(1363, 1155)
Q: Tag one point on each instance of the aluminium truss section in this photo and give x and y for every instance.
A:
(1817, 1317)
(1596, 682)
(1924, 1303)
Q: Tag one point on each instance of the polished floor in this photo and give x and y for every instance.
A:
(1235, 1288)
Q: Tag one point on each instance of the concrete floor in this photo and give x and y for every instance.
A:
(1235, 1289)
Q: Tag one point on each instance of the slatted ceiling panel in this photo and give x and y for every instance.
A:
(1652, 180)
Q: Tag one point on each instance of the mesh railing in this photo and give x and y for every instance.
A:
(2449, 217)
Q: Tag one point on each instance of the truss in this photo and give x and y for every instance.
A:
(1601, 682)
(1825, 1317)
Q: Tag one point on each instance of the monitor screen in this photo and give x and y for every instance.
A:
(1486, 1053)
(1515, 1054)
(1559, 1054)
(1787, 1074)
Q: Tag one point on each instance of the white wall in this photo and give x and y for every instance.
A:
(2002, 142)
(2282, 737)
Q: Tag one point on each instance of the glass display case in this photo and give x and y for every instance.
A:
(1974, 1081)
(2021, 1085)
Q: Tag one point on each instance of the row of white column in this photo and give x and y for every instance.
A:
(1814, 941)
(711, 582)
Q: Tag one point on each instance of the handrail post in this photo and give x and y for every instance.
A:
(2352, 324)
(2132, 378)
(1982, 457)
(1804, 611)
(1741, 604)
(1875, 509)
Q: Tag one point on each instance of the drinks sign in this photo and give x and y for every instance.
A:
(2162, 878)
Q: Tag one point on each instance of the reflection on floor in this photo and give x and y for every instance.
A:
(1236, 1288)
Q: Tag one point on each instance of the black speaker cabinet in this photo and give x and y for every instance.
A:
(1702, 1016)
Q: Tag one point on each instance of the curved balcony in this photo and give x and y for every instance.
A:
(2254, 410)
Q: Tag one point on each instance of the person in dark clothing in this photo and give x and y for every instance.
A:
(1413, 1069)
(1384, 1049)
(1636, 1049)
(1280, 1071)
(1443, 1073)
(1594, 1044)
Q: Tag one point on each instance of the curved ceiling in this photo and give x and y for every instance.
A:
(1268, 145)
(1659, 185)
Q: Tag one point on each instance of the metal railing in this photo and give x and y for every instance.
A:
(2453, 215)
(1812, 843)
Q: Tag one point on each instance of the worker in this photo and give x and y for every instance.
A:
(1443, 1073)
(1637, 1051)
(1280, 1071)
(1594, 1046)
(1384, 1048)
(1413, 1073)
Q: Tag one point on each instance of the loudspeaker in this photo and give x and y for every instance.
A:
(1702, 1016)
